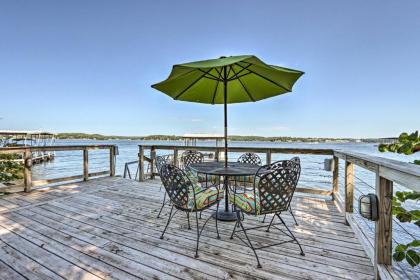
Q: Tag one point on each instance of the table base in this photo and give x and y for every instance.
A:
(222, 215)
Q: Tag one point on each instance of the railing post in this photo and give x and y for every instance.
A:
(112, 153)
(268, 157)
(27, 172)
(383, 226)
(349, 188)
(153, 161)
(141, 163)
(335, 182)
(175, 156)
(85, 164)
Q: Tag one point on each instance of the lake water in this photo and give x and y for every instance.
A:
(313, 175)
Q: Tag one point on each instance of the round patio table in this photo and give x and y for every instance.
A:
(232, 170)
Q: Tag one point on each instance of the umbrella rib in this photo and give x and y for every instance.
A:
(193, 83)
(212, 77)
(217, 85)
(242, 84)
(267, 79)
(214, 94)
(240, 71)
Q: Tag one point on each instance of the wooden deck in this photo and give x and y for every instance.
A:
(106, 229)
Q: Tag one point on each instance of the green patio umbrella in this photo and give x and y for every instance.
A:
(227, 80)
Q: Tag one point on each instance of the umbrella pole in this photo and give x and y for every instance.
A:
(225, 109)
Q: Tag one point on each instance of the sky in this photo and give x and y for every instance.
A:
(87, 66)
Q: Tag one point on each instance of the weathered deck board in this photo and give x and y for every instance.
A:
(106, 229)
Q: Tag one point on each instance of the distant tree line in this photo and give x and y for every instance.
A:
(175, 138)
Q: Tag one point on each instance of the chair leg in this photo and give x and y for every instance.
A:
(169, 220)
(247, 238)
(271, 222)
(188, 218)
(291, 233)
(217, 217)
(198, 235)
(163, 205)
(291, 212)
(263, 221)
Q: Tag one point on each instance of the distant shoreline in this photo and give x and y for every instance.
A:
(85, 136)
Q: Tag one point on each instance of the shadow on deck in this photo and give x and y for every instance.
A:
(106, 229)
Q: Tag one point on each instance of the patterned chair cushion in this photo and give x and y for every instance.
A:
(245, 179)
(199, 177)
(205, 198)
(246, 202)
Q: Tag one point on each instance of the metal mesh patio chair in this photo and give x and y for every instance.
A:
(250, 158)
(190, 157)
(287, 163)
(160, 161)
(274, 186)
(187, 196)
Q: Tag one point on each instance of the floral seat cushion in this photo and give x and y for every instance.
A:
(245, 179)
(247, 202)
(201, 178)
(204, 198)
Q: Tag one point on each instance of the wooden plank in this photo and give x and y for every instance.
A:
(383, 227)
(39, 183)
(137, 234)
(61, 267)
(244, 149)
(24, 265)
(6, 272)
(399, 177)
(349, 187)
(367, 245)
(85, 165)
(119, 244)
(94, 259)
(313, 191)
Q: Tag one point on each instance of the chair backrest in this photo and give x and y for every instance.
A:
(161, 160)
(189, 157)
(275, 185)
(177, 185)
(250, 158)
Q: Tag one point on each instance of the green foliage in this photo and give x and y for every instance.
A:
(405, 251)
(407, 144)
(10, 170)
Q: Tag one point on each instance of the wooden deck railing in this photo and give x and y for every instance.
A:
(27, 153)
(387, 172)
(219, 151)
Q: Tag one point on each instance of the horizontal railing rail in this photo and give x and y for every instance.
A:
(28, 152)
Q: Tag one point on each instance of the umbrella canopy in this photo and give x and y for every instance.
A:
(227, 80)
